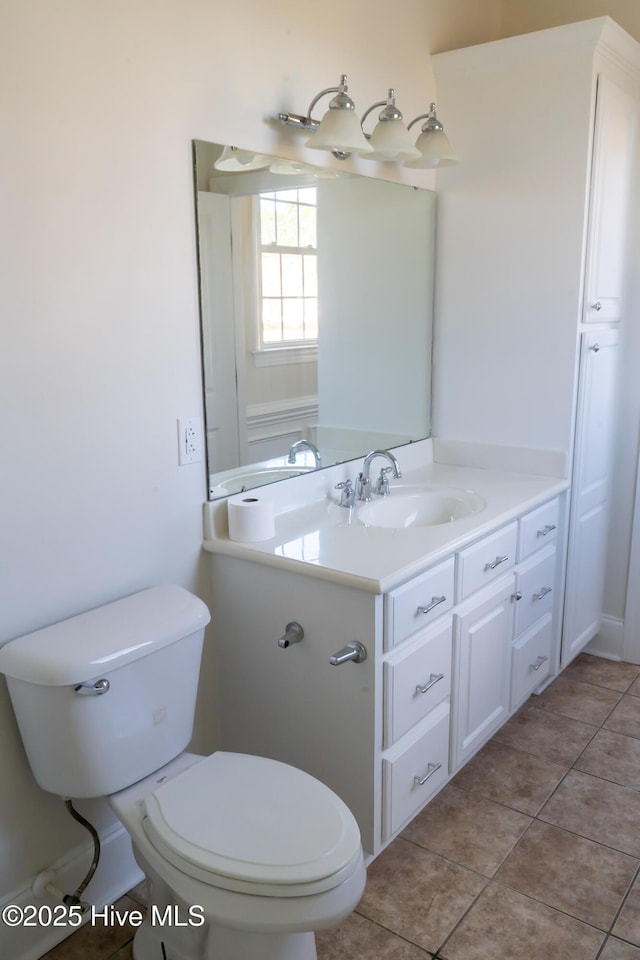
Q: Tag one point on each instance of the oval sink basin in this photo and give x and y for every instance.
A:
(420, 507)
(257, 478)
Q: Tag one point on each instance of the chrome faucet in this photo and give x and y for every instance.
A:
(298, 446)
(363, 483)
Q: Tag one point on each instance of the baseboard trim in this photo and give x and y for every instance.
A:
(117, 873)
(609, 642)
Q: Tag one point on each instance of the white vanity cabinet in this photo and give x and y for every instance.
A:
(445, 654)
(535, 219)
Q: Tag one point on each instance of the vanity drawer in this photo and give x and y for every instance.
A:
(417, 677)
(535, 582)
(421, 756)
(538, 528)
(531, 660)
(487, 560)
(419, 602)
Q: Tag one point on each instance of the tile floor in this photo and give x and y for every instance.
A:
(532, 852)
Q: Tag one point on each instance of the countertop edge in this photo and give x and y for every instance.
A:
(257, 554)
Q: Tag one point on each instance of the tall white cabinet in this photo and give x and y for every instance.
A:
(532, 264)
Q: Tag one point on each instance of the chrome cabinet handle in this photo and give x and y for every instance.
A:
(431, 769)
(433, 679)
(548, 528)
(538, 663)
(93, 689)
(597, 305)
(516, 596)
(353, 651)
(595, 347)
(496, 562)
(434, 603)
(543, 593)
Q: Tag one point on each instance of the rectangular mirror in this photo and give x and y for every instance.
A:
(316, 298)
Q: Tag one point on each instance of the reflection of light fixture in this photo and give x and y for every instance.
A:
(390, 139)
(288, 168)
(339, 130)
(433, 143)
(233, 160)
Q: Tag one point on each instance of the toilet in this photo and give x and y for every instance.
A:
(245, 856)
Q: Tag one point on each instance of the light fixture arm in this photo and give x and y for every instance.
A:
(390, 111)
(432, 124)
(341, 100)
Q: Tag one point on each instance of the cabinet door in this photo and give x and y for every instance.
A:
(482, 663)
(613, 158)
(590, 491)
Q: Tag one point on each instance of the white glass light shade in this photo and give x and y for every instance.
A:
(434, 149)
(339, 130)
(233, 160)
(289, 168)
(391, 140)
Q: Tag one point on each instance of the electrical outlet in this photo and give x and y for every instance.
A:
(189, 440)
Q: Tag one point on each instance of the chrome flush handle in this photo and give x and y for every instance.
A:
(93, 689)
(353, 651)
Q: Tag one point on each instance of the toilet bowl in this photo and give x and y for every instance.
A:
(245, 856)
(262, 852)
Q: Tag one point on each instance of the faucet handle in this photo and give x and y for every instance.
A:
(363, 488)
(382, 487)
(347, 495)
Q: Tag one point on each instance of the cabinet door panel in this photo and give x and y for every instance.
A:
(482, 650)
(613, 152)
(586, 556)
(585, 581)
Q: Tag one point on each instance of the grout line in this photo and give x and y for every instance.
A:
(623, 902)
(394, 933)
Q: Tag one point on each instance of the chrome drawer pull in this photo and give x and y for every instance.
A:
(543, 593)
(595, 348)
(516, 596)
(433, 679)
(597, 305)
(538, 663)
(431, 769)
(496, 562)
(434, 603)
(549, 527)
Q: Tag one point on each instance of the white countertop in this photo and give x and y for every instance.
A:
(321, 539)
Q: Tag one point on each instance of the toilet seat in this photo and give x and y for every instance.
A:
(254, 826)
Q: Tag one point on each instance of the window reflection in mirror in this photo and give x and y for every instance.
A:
(316, 292)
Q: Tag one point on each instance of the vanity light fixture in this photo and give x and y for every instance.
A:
(339, 130)
(432, 144)
(390, 138)
(342, 133)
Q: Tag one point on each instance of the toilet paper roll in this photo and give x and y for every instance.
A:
(250, 518)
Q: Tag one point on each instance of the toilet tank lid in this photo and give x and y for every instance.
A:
(106, 638)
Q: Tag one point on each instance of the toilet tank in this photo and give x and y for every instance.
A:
(108, 697)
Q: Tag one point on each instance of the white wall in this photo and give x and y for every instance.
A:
(100, 348)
